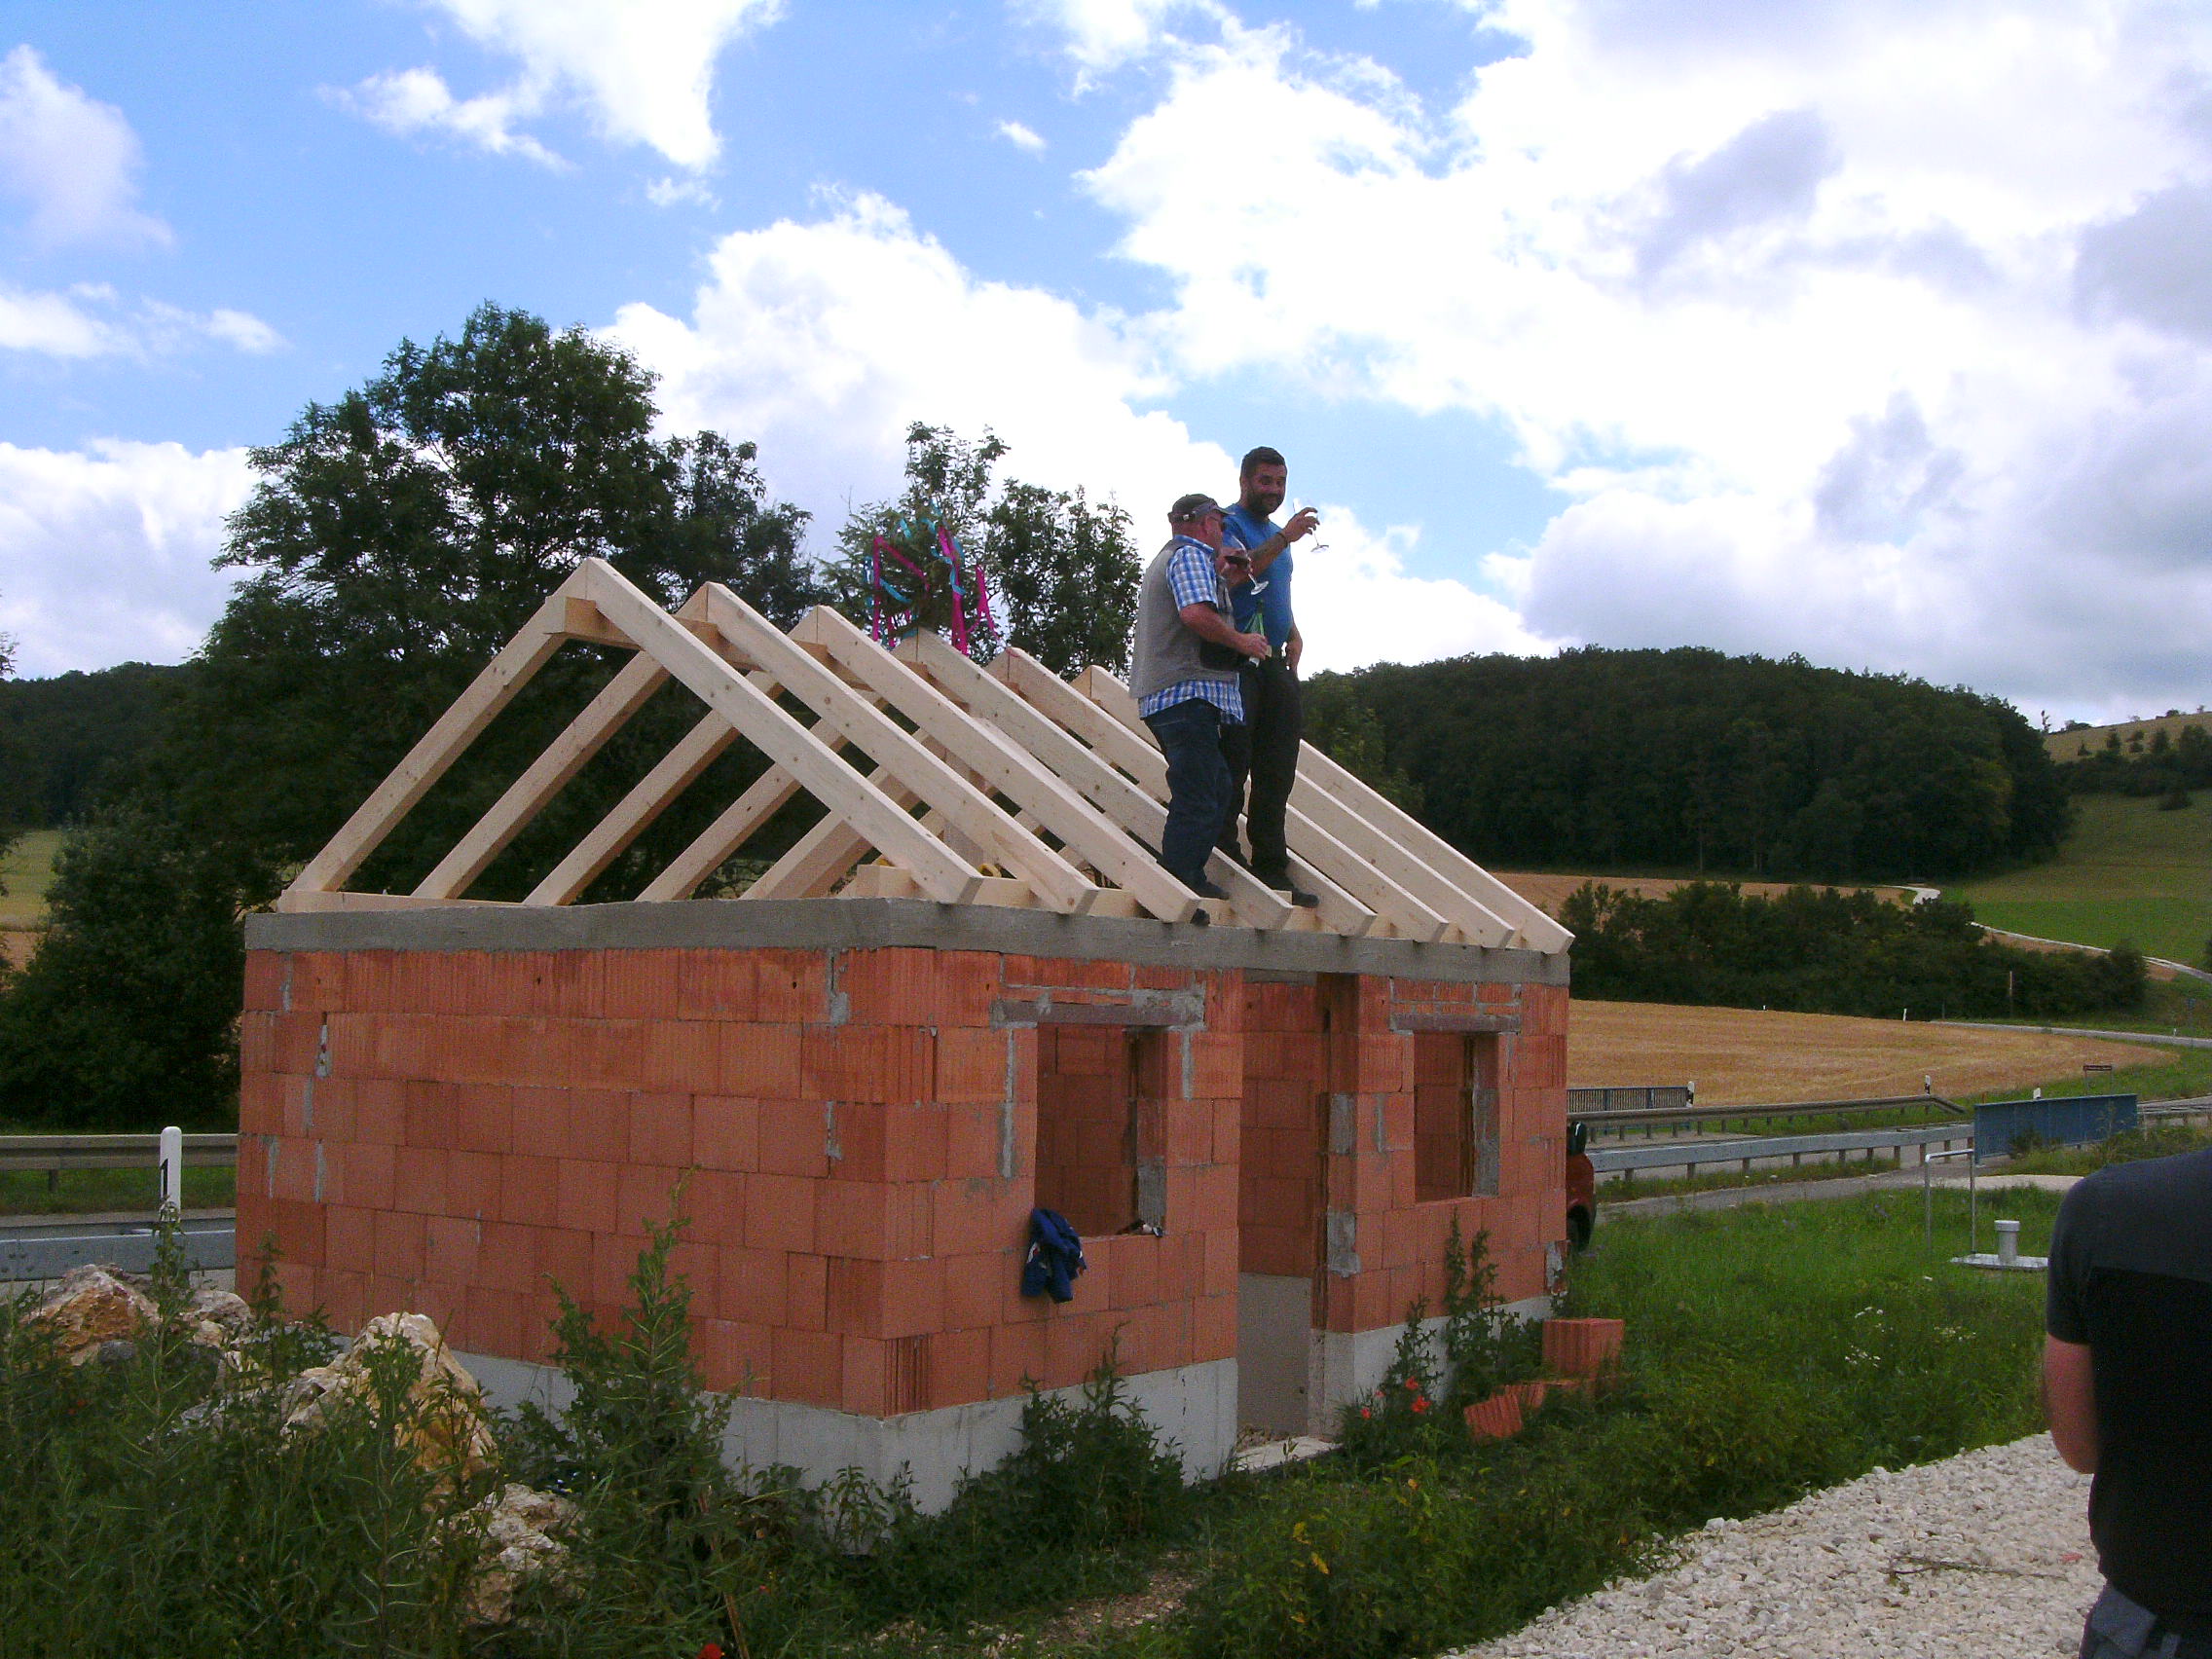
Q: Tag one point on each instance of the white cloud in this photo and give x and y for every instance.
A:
(411, 101)
(104, 552)
(643, 70)
(1795, 306)
(54, 325)
(1021, 137)
(90, 320)
(248, 333)
(71, 158)
(826, 340)
(1104, 34)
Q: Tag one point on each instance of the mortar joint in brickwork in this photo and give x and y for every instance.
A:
(1344, 1123)
(322, 1049)
(1344, 1243)
(830, 1147)
(837, 1002)
(1382, 1127)
(318, 1171)
(284, 986)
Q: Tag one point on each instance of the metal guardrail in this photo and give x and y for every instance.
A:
(1630, 1097)
(1639, 1117)
(52, 1153)
(1689, 1155)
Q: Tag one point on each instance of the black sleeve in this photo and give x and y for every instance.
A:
(2065, 1303)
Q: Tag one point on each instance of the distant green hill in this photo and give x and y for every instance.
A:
(2127, 871)
(1690, 762)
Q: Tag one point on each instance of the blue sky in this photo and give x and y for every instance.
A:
(1875, 332)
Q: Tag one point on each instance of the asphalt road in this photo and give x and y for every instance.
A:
(47, 1247)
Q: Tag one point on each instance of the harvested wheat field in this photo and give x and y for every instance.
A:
(1742, 1055)
(1548, 891)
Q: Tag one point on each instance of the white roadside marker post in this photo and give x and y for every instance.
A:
(172, 1172)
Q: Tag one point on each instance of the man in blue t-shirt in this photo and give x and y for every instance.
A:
(1265, 750)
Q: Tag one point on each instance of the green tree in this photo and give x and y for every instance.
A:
(395, 540)
(125, 1018)
(399, 536)
(1345, 729)
(1062, 570)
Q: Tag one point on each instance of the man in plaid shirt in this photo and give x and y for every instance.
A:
(1186, 680)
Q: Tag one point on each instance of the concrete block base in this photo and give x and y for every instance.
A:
(1348, 1364)
(1191, 1408)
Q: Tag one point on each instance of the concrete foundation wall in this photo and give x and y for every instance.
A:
(1193, 1408)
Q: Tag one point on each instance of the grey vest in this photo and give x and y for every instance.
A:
(1166, 651)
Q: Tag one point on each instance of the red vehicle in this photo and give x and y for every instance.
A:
(1581, 1187)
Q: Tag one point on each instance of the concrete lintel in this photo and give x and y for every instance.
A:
(1193, 1408)
(1160, 1011)
(862, 924)
(1468, 1023)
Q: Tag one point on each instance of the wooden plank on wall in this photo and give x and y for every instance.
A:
(719, 842)
(1537, 931)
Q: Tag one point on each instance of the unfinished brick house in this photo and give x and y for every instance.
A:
(967, 990)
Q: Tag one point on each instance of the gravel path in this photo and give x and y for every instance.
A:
(1982, 1555)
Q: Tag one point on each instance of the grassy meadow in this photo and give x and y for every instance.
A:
(2128, 871)
(25, 871)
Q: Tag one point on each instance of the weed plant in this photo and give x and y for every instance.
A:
(155, 1503)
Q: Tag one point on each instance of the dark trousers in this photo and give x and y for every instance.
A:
(1274, 722)
(2119, 1627)
(1199, 797)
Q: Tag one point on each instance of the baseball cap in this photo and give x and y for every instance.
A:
(1193, 505)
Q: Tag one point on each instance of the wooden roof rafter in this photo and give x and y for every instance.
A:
(940, 780)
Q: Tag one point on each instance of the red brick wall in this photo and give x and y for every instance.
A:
(1400, 1239)
(1286, 1114)
(454, 1131)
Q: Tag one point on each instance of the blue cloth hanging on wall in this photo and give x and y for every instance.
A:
(1056, 1257)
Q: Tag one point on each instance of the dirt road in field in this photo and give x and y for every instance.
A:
(1742, 1055)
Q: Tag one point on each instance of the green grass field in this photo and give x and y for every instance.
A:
(2128, 871)
(26, 871)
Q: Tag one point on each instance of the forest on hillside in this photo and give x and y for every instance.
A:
(1691, 760)
(65, 738)
(2167, 766)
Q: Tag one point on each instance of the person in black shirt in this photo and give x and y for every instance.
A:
(2127, 1387)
